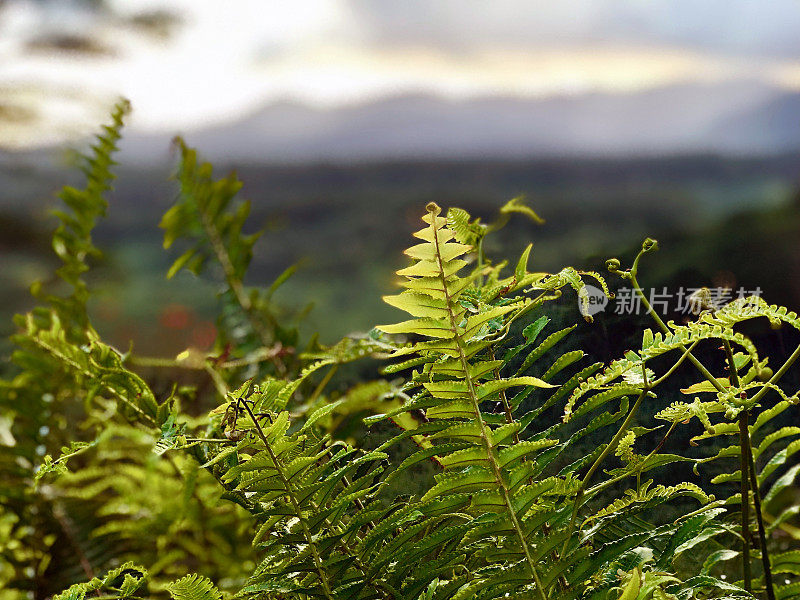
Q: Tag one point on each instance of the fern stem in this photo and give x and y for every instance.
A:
(762, 536)
(656, 449)
(498, 475)
(157, 362)
(745, 497)
(237, 287)
(744, 463)
(674, 367)
(504, 399)
(321, 385)
(219, 383)
(663, 326)
(611, 445)
(260, 355)
(290, 493)
(746, 449)
(778, 374)
(160, 363)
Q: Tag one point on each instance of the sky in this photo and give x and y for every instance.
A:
(207, 62)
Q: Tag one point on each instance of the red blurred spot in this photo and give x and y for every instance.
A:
(203, 335)
(175, 316)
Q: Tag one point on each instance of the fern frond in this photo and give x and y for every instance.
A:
(193, 587)
(435, 288)
(647, 497)
(99, 365)
(121, 582)
(72, 240)
(305, 491)
(655, 346)
(209, 218)
(750, 307)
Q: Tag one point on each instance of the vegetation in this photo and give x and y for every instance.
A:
(495, 464)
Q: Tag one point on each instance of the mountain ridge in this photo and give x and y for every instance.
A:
(733, 117)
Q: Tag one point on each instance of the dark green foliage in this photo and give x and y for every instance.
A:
(540, 475)
(41, 395)
(250, 329)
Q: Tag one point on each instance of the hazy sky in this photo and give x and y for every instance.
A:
(222, 58)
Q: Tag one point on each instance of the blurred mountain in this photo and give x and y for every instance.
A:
(773, 126)
(738, 117)
(734, 117)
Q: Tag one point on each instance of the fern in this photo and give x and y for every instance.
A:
(488, 469)
(207, 218)
(246, 486)
(41, 390)
(122, 582)
(736, 395)
(72, 240)
(130, 581)
(305, 491)
(193, 587)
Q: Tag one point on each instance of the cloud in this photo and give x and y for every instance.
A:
(222, 60)
(732, 27)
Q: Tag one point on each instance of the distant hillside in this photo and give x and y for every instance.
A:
(347, 225)
(772, 126)
(741, 118)
(688, 118)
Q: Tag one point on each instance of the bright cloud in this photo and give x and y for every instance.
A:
(229, 58)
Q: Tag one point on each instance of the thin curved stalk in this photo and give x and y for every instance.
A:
(663, 326)
(237, 287)
(586, 478)
(674, 367)
(749, 468)
(778, 374)
(504, 400)
(652, 452)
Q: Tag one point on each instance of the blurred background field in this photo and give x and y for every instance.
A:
(347, 225)
(343, 118)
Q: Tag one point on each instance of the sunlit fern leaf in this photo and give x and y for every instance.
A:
(750, 307)
(468, 441)
(72, 240)
(121, 582)
(193, 587)
(678, 340)
(203, 216)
